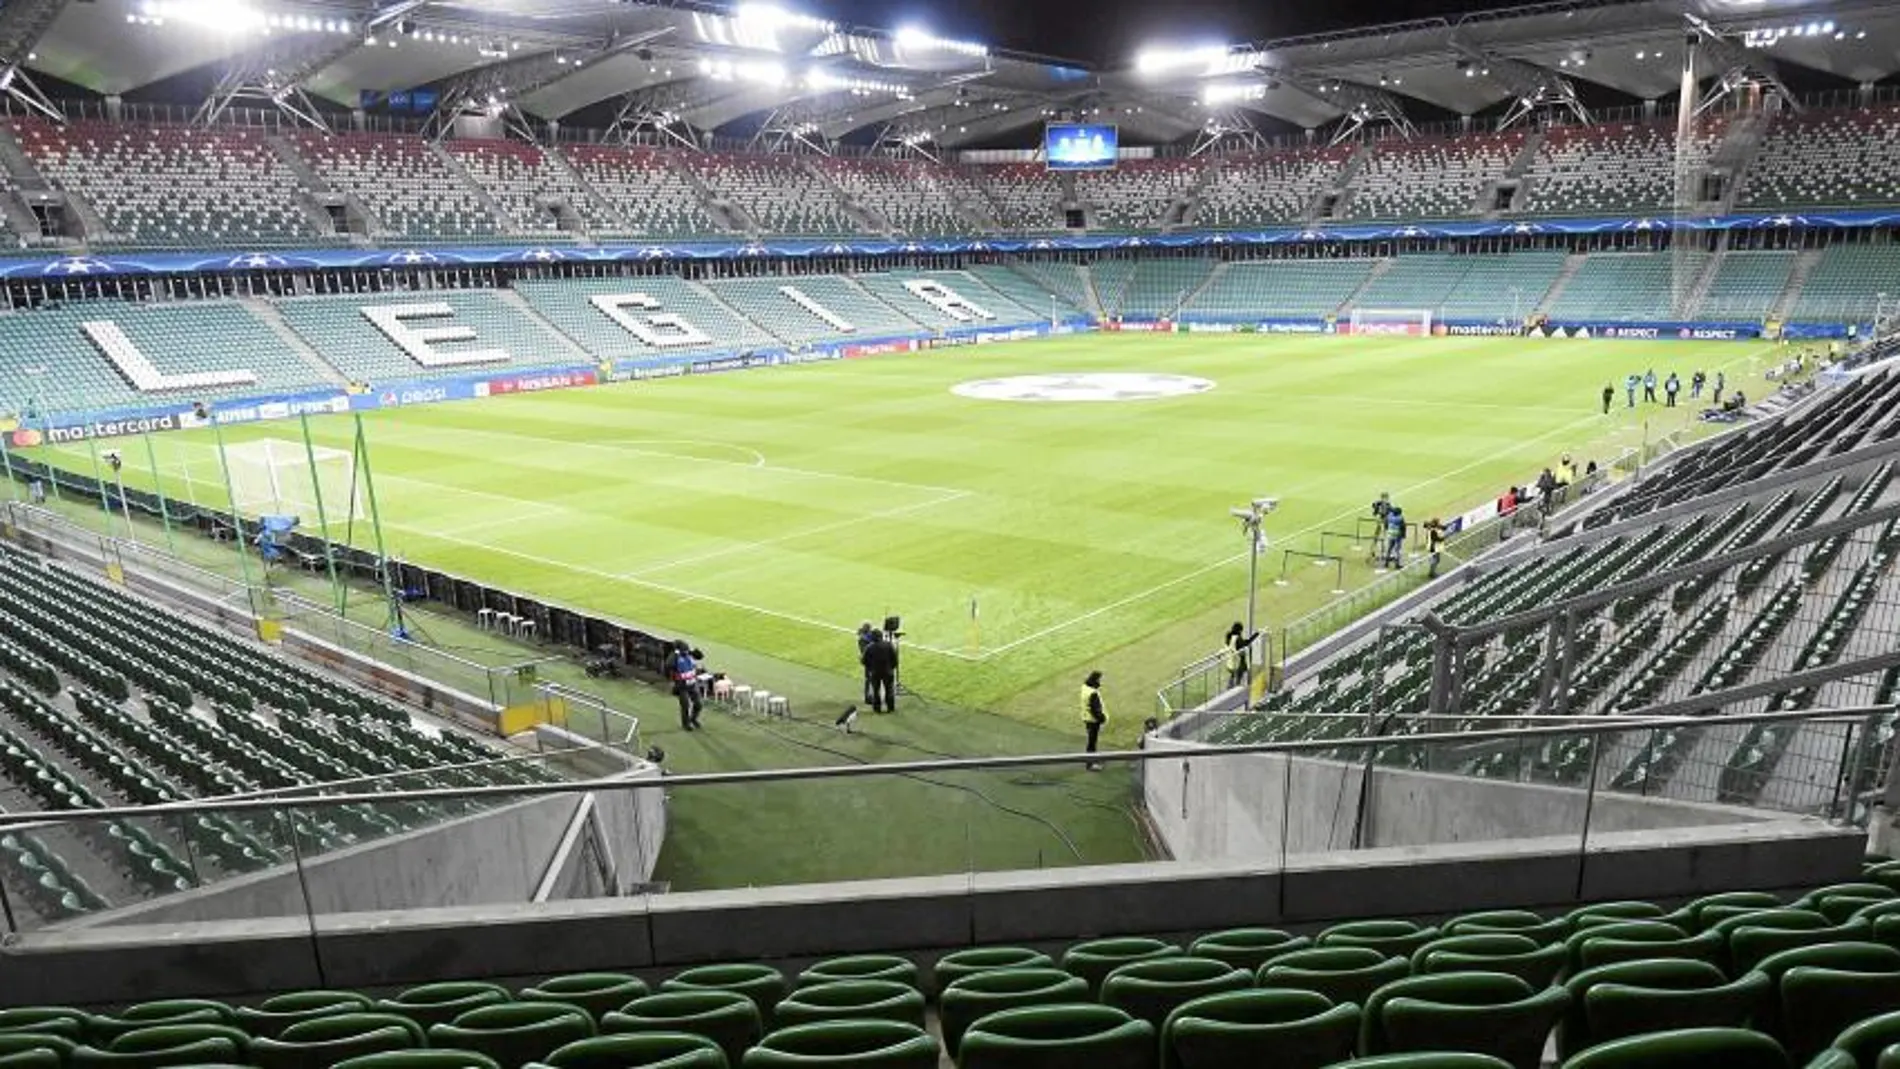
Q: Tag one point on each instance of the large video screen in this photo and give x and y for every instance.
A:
(1079, 146)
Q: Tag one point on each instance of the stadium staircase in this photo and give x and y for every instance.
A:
(503, 219)
(1804, 265)
(26, 180)
(1342, 188)
(1741, 142)
(1094, 294)
(1515, 173)
(1379, 268)
(598, 206)
(1557, 286)
(318, 192)
(723, 211)
(267, 313)
(569, 350)
(860, 215)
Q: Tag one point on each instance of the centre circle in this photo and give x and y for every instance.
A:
(1084, 386)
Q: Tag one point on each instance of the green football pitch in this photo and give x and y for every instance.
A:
(764, 515)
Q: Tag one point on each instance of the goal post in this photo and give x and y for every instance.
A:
(1403, 322)
(278, 477)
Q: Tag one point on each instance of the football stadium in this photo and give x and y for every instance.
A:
(677, 535)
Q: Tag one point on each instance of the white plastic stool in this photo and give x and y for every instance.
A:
(524, 627)
(722, 690)
(761, 700)
(742, 696)
(778, 706)
(485, 619)
(505, 622)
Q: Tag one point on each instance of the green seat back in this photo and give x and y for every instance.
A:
(844, 1000)
(102, 1029)
(45, 1020)
(596, 993)
(1611, 913)
(1151, 990)
(1542, 930)
(274, 1014)
(204, 1050)
(1748, 946)
(648, 1050)
(955, 966)
(981, 994)
(1247, 948)
(861, 967)
(421, 1059)
(764, 985)
(1646, 931)
(1519, 955)
(1865, 1039)
(343, 1025)
(12, 1043)
(440, 1003)
(729, 1018)
(1095, 959)
(1818, 1003)
(1069, 1036)
(1703, 946)
(1285, 1029)
(1393, 937)
(845, 1045)
(32, 1058)
(1425, 1060)
(1787, 919)
(1343, 974)
(279, 1053)
(167, 1036)
(1485, 1013)
(1709, 908)
(514, 1033)
(1691, 1048)
(1614, 1010)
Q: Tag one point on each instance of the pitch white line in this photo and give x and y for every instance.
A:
(1242, 555)
(432, 429)
(683, 594)
(758, 458)
(746, 547)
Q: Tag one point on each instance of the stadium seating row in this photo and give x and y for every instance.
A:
(210, 187)
(87, 356)
(99, 708)
(1739, 978)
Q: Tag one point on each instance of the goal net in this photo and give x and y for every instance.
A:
(276, 477)
(1414, 322)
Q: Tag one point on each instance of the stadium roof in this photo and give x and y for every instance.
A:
(729, 68)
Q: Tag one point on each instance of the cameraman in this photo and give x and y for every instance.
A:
(880, 672)
(683, 670)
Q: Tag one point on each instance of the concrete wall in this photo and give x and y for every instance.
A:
(659, 934)
(1260, 808)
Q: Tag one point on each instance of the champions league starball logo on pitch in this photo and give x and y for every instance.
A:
(1084, 387)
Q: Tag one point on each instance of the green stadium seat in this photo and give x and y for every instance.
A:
(1394, 937)
(845, 1045)
(171, 1036)
(844, 1000)
(1075, 1034)
(1864, 1040)
(1240, 1029)
(958, 964)
(32, 1058)
(514, 1033)
(271, 1016)
(1634, 997)
(1343, 974)
(1095, 959)
(1487, 1013)
(14, 1043)
(981, 994)
(440, 1003)
(1693, 1048)
(728, 1018)
(1517, 955)
(45, 1020)
(319, 1049)
(861, 967)
(342, 1025)
(104, 1028)
(1613, 912)
(1621, 931)
(1543, 931)
(650, 1050)
(1247, 948)
(194, 1053)
(764, 985)
(596, 993)
(1425, 1060)
(1151, 990)
(1749, 945)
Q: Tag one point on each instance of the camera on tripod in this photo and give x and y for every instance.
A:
(893, 628)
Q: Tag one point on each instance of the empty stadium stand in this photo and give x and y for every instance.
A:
(1430, 179)
(1609, 169)
(1136, 194)
(1159, 289)
(1829, 159)
(1746, 285)
(702, 325)
(169, 185)
(536, 190)
(406, 187)
(99, 707)
(1025, 196)
(649, 197)
(802, 309)
(1628, 286)
(493, 334)
(1845, 283)
(777, 193)
(1249, 191)
(1291, 288)
(915, 198)
(1501, 288)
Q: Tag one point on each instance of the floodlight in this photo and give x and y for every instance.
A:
(1161, 60)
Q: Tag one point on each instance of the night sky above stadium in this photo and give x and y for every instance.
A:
(1109, 32)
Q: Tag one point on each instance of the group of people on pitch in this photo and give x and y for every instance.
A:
(1671, 387)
